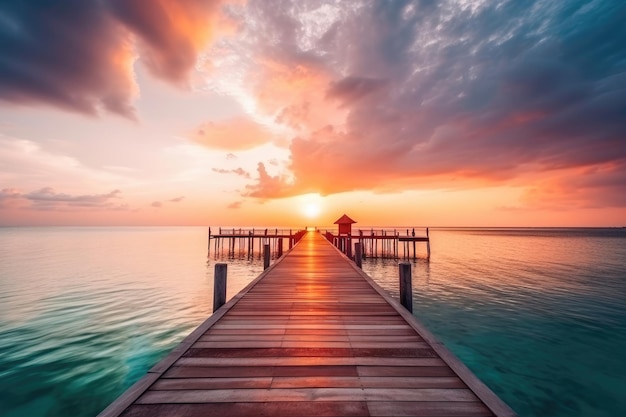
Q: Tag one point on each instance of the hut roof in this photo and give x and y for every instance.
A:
(344, 220)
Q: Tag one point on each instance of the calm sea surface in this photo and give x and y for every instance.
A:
(538, 314)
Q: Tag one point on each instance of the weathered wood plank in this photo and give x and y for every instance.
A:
(305, 394)
(428, 409)
(313, 360)
(368, 382)
(246, 409)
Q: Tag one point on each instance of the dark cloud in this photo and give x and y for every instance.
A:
(351, 89)
(456, 94)
(78, 54)
(69, 54)
(176, 200)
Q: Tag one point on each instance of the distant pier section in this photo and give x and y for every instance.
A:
(393, 243)
(237, 242)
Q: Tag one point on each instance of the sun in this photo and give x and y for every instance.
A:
(310, 205)
(311, 210)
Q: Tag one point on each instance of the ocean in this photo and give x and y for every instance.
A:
(538, 314)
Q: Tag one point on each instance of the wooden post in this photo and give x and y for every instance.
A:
(209, 244)
(266, 256)
(395, 243)
(219, 286)
(406, 287)
(427, 244)
(358, 254)
(280, 247)
(349, 246)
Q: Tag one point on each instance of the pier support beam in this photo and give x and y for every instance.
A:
(219, 286)
(209, 244)
(406, 286)
(358, 254)
(266, 256)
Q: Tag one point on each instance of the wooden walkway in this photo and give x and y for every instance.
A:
(311, 336)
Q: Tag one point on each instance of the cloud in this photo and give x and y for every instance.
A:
(236, 134)
(47, 199)
(237, 171)
(32, 164)
(449, 94)
(580, 188)
(79, 55)
(235, 205)
(159, 204)
(73, 56)
(268, 186)
(9, 197)
(351, 89)
(171, 32)
(380, 96)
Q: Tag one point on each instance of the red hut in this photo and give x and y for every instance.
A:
(345, 225)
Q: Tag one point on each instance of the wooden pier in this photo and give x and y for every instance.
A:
(312, 336)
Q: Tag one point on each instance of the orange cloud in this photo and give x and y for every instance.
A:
(171, 33)
(232, 135)
(579, 188)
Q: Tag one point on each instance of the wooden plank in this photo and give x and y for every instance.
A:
(246, 409)
(368, 382)
(211, 383)
(313, 360)
(305, 394)
(309, 351)
(428, 409)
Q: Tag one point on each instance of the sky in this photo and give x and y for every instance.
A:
(248, 113)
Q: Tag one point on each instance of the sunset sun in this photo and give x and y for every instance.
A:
(310, 205)
(311, 210)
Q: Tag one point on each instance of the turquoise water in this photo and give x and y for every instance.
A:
(539, 315)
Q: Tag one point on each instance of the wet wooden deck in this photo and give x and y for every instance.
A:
(312, 336)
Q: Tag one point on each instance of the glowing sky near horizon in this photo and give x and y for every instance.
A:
(197, 112)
